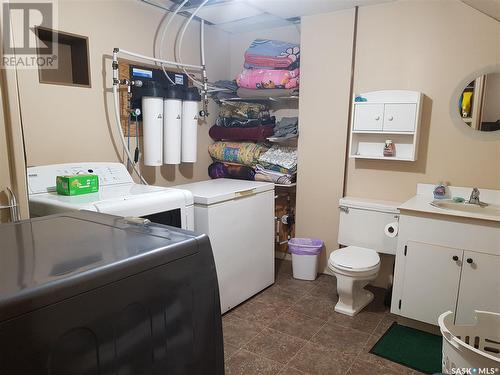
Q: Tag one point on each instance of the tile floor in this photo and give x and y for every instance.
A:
(291, 329)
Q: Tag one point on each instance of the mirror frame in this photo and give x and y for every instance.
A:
(454, 113)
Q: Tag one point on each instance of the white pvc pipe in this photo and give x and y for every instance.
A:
(164, 33)
(181, 38)
(122, 136)
(166, 62)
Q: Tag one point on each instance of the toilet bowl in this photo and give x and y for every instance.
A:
(354, 267)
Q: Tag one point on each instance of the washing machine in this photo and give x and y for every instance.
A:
(118, 195)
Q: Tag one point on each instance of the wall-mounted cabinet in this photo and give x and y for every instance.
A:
(385, 115)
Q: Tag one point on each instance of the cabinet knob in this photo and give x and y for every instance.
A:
(470, 260)
(377, 118)
(455, 258)
(391, 118)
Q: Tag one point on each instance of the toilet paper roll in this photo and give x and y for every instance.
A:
(391, 229)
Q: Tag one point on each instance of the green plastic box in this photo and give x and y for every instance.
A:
(77, 184)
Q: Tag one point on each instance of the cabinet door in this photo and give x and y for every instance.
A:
(400, 117)
(431, 280)
(368, 117)
(479, 286)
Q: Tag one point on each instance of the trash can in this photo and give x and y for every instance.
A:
(305, 253)
(474, 346)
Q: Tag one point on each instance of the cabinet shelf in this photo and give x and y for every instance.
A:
(386, 115)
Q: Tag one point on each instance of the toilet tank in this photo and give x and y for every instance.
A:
(363, 221)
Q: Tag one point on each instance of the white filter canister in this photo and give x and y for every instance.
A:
(190, 111)
(152, 124)
(172, 125)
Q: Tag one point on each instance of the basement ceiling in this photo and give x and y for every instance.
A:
(489, 7)
(238, 16)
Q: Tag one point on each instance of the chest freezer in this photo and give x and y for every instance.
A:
(89, 293)
(238, 217)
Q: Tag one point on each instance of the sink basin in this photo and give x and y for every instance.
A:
(490, 211)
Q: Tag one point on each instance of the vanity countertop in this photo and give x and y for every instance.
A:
(422, 203)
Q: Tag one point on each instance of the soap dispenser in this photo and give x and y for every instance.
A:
(440, 191)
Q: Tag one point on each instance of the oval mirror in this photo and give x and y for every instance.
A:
(479, 103)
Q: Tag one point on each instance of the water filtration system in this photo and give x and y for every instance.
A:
(170, 126)
(152, 123)
(177, 141)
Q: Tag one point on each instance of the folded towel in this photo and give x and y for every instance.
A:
(240, 172)
(231, 122)
(283, 156)
(243, 110)
(268, 79)
(256, 133)
(246, 153)
(272, 54)
(262, 174)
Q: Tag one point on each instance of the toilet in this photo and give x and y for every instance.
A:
(362, 232)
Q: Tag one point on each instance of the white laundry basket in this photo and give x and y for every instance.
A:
(471, 347)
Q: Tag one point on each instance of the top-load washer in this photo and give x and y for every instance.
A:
(117, 195)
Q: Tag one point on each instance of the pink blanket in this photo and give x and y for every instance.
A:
(268, 79)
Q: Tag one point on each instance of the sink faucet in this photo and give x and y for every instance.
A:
(474, 198)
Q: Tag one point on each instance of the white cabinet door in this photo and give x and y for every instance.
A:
(431, 280)
(479, 286)
(400, 117)
(368, 117)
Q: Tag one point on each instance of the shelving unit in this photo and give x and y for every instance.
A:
(383, 115)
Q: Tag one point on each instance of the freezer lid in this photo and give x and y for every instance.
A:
(46, 260)
(224, 189)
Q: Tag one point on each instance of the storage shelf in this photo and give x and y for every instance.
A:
(286, 185)
(382, 132)
(261, 99)
(377, 157)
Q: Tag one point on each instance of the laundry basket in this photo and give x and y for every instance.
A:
(305, 253)
(471, 347)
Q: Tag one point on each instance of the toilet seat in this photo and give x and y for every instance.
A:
(353, 259)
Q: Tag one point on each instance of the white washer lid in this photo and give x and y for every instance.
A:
(355, 258)
(224, 189)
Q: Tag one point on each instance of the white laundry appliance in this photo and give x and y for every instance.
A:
(118, 195)
(238, 217)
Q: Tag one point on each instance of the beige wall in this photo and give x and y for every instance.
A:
(71, 124)
(326, 53)
(427, 46)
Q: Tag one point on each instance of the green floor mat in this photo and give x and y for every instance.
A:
(410, 347)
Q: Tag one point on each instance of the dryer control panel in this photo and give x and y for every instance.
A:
(42, 179)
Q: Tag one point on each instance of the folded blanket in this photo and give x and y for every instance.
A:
(243, 110)
(245, 153)
(272, 54)
(268, 79)
(240, 172)
(231, 122)
(282, 156)
(262, 174)
(256, 133)
(287, 126)
(277, 168)
(265, 94)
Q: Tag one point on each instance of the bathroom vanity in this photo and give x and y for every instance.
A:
(448, 256)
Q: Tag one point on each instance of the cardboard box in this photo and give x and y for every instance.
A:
(77, 184)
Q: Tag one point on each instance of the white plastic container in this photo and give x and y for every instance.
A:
(305, 267)
(471, 346)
